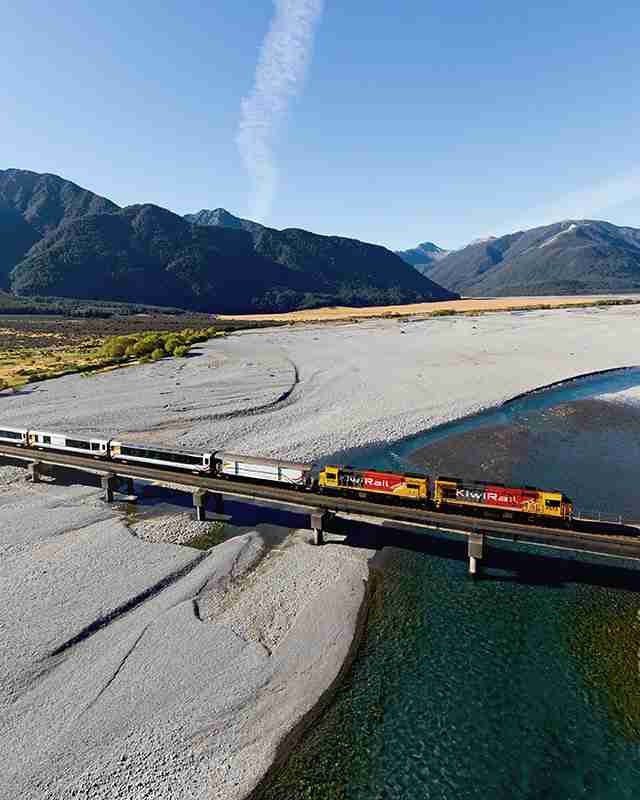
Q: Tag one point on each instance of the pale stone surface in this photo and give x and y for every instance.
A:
(305, 392)
(136, 669)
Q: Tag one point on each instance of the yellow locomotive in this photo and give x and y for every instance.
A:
(454, 494)
(367, 482)
(449, 494)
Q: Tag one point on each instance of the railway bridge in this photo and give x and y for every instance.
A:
(208, 493)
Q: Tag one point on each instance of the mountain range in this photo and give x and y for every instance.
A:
(569, 257)
(58, 239)
(61, 240)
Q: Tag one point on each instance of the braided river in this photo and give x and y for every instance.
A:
(523, 684)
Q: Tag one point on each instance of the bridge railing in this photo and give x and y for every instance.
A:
(597, 515)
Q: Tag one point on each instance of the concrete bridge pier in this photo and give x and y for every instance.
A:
(475, 551)
(200, 497)
(318, 519)
(129, 490)
(109, 483)
(36, 469)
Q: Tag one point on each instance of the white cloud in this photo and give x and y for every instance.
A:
(587, 202)
(279, 78)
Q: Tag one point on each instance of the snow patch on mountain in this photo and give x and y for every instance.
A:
(572, 227)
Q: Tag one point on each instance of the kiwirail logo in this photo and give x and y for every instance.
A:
(284, 58)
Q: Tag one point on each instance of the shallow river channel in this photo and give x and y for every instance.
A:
(523, 684)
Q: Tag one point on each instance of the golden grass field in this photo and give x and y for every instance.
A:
(34, 348)
(24, 364)
(445, 308)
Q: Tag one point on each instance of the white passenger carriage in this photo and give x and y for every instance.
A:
(46, 440)
(166, 457)
(17, 436)
(289, 473)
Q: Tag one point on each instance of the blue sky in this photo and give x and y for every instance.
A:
(417, 121)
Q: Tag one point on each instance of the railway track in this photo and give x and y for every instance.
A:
(591, 537)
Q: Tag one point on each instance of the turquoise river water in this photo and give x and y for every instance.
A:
(523, 684)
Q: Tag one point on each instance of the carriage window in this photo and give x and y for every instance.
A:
(95, 445)
(10, 435)
(552, 503)
(79, 445)
(46, 440)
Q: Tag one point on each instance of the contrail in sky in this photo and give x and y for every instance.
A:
(284, 57)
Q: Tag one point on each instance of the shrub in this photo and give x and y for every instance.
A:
(117, 346)
(114, 349)
(145, 346)
(157, 354)
(443, 312)
(172, 341)
(150, 342)
(181, 351)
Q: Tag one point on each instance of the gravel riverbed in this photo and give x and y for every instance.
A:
(133, 667)
(305, 392)
(141, 669)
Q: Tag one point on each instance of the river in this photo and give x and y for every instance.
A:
(523, 684)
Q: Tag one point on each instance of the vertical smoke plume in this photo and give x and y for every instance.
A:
(284, 57)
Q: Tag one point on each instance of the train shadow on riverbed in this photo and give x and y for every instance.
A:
(511, 563)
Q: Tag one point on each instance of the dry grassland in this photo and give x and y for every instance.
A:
(34, 348)
(445, 308)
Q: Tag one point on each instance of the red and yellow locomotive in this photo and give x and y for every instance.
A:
(449, 494)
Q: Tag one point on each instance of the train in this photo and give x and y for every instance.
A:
(443, 494)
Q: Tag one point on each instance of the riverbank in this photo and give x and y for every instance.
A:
(132, 668)
(303, 393)
(235, 649)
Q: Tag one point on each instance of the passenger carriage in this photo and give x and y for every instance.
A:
(16, 436)
(292, 474)
(141, 453)
(87, 446)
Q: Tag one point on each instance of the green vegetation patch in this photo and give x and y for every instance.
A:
(205, 541)
(154, 345)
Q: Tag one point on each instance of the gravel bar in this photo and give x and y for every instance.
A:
(133, 667)
(304, 392)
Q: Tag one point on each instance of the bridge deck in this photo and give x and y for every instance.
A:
(591, 537)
